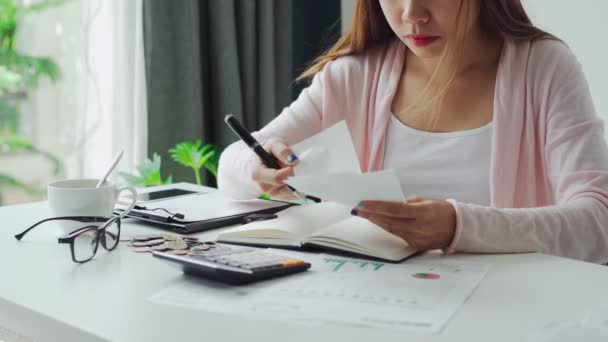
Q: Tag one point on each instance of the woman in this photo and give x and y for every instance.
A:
(486, 118)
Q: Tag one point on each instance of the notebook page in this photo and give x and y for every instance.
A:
(364, 237)
(293, 223)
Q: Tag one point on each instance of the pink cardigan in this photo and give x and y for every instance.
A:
(549, 169)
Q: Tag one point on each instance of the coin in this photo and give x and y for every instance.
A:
(196, 253)
(160, 248)
(179, 252)
(177, 244)
(155, 242)
(146, 237)
(147, 243)
(141, 249)
(168, 237)
(202, 247)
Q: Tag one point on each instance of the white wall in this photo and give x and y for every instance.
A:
(348, 7)
(581, 24)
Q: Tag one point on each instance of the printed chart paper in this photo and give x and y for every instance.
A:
(416, 296)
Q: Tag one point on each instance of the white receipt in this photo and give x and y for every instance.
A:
(329, 169)
(330, 151)
(350, 189)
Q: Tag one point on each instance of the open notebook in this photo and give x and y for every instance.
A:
(326, 225)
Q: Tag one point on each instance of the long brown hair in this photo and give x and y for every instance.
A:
(506, 19)
(499, 19)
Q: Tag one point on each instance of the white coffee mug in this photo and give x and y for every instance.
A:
(80, 197)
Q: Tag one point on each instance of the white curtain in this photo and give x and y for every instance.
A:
(99, 105)
(116, 53)
(130, 110)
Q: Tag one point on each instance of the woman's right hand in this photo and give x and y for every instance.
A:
(271, 181)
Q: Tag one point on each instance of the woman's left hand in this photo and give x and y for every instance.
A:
(424, 223)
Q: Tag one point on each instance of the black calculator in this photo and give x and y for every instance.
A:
(233, 264)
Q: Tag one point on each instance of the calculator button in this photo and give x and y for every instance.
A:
(246, 258)
(265, 264)
(219, 253)
(292, 262)
(221, 261)
(245, 249)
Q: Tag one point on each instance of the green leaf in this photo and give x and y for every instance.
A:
(131, 179)
(9, 118)
(28, 68)
(212, 163)
(8, 17)
(148, 174)
(37, 7)
(14, 143)
(193, 155)
(9, 80)
(188, 154)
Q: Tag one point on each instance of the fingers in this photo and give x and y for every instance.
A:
(282, 192)
(393, 209)
(402, 228)
(424, 223)
(282, 152)
(415, 199)
(407, 229)
(388, 223)
(270, 179)
(264, 175)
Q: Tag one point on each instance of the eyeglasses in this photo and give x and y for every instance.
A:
(84, 241)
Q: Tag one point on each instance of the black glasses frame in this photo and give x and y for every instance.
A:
(100, 233)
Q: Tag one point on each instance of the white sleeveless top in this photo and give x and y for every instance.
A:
(441, 165)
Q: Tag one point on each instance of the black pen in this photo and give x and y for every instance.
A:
(268, 159)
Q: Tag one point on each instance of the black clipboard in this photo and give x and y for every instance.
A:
(191, 227)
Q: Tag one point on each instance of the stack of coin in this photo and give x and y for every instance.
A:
(174, 244)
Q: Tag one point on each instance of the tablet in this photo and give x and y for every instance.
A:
(162, 194)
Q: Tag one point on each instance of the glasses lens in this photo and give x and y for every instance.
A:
(112, 234)
(85, 245)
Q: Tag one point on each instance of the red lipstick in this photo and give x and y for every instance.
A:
(421, 40)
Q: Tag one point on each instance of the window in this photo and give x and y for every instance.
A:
(72, 91)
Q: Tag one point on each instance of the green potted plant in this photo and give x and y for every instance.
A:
(191, 154)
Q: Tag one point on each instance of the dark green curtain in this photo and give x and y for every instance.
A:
(207, 58)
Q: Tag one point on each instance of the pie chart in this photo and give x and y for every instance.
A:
(426, 275)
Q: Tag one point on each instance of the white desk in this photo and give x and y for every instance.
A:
(44, 296)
